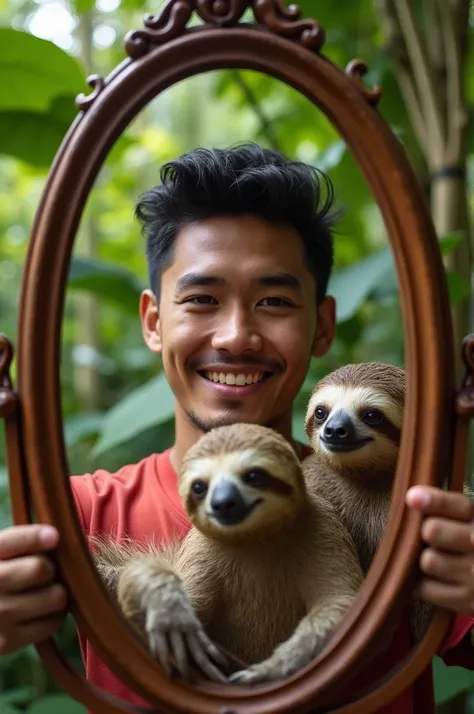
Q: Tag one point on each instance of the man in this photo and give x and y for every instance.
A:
(239, 247)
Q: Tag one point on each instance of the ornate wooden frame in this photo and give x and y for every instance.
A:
(288, 48)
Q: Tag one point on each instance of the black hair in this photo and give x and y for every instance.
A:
(243, 179)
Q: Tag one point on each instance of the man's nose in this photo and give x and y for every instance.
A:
(237, 333)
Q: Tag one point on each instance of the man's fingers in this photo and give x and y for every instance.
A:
(19, 609)
(447, 568)
(436, 502)
(26, 540)
(30, 633)
(452, 597)
(25, 573)
(452, 536)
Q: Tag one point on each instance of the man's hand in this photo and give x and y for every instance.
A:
(32, 605)
(448, 559)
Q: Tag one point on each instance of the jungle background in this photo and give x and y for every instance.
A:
(117, 406)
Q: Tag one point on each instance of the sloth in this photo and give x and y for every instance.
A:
(354, 422)
(266, 572)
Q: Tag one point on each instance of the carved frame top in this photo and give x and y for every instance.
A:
(270, 14)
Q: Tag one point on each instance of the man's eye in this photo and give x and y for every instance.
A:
(276, 302)
(202, 300)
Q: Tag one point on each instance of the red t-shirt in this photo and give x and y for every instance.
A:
(142, 500)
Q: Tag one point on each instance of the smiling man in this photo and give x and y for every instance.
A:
(236, 344)
(239, 247)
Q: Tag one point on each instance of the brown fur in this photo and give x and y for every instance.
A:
(361, 492)
(363, 508)
(272, 597)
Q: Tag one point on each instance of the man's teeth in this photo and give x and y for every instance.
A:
(239, 380)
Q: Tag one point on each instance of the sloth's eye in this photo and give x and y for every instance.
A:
(199, 488)
(320, 414)
(372, 417)
(255, 477)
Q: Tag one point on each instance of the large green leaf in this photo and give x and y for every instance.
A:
(107, 281)
(449, 681)
(352, 286)
(35, 136)
(375, 277)
(34, 71)
(31, 136)
(144, 407)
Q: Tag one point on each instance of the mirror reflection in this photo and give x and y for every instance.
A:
(259, 437)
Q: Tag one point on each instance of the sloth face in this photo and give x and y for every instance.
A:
(245, 490)
(355, 428)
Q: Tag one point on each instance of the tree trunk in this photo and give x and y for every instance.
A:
(430, 64)
(450, 215)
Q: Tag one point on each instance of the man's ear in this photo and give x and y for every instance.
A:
(326, 328)
(150, 319)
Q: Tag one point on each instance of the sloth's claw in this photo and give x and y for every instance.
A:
(212, 649)
(249, 676)
(175, 632)
(159, 649)
(178, 647)
(201, 657)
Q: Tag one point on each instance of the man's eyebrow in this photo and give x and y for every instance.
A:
(278, 280)
(196, 280)
(200, 280)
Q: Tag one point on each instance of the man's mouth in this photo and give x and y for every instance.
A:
(232, 379)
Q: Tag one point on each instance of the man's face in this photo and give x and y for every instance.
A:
(237, 321)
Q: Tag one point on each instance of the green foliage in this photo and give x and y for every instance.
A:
(33, 72)
(354, 285)
(39, 82)
(31, 137)
(108, 282)
(82, 6)
(147, 406)
(450, 681)
(26, 688)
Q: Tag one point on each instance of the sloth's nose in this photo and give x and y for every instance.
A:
(227, 504)
(339, 428)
